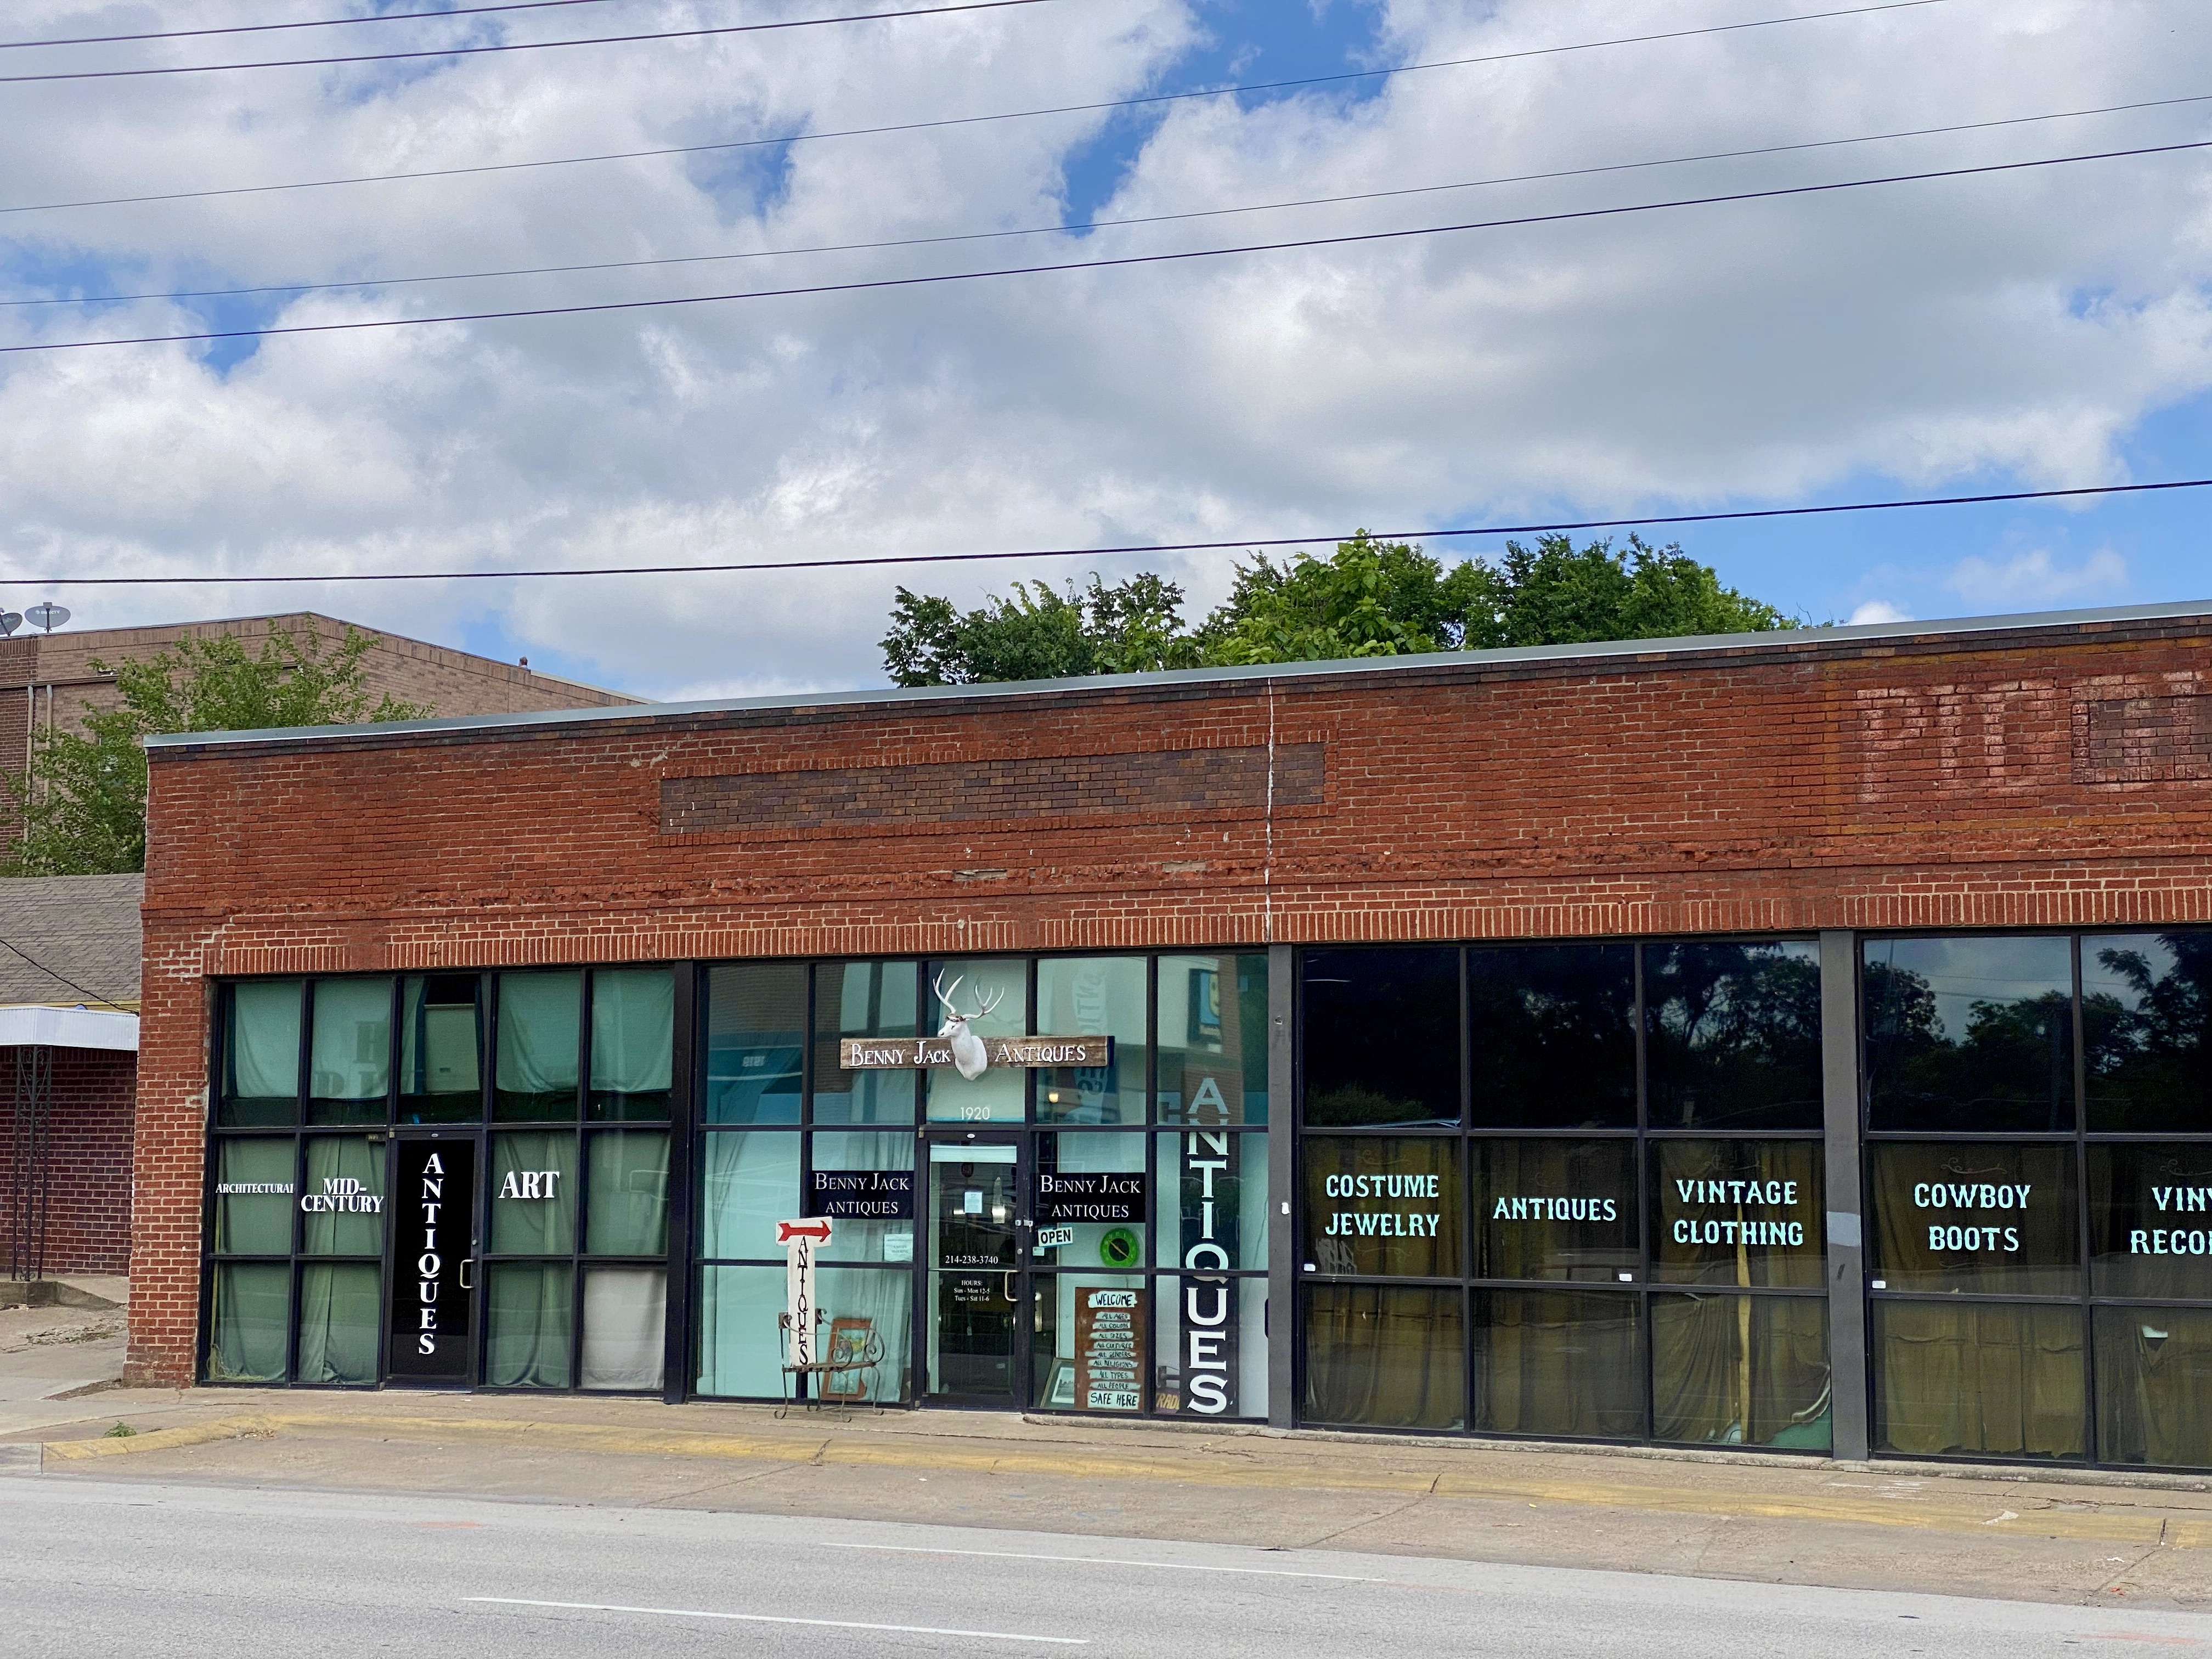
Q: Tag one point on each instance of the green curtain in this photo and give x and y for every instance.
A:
(1740, 1370)
(627, 1211)
(625, 1319)
(1979, 1378)
(533, 1325)
(254, 1223)
(264, 1082)
(341, 1309)
(337, 1159)
(1520, 1234)
(633, 1042)
(740, 1345)
(540, 1029)
(2048, 1260)
(252, 1320)
(1385, 1357)
(1429, 1254)
(1561, 1363)
(2154, 1386)
(523, 1225)
(1775, 1166)
(749, 1181)
(350, 1056)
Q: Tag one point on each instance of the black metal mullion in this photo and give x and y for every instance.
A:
(688, 1045)
(2090, 1448)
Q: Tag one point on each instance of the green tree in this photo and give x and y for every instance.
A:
(1369, 598)
(83, 808)
(1552, 594)
(1037, 634)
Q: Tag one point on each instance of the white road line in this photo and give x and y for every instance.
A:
(1102, 1561)
(771, 1619)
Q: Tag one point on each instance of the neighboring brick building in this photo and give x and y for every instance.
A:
(1796, 1040)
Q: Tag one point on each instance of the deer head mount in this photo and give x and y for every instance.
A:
(969, 1057)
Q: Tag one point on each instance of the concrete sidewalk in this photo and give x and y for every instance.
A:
(1974, 1532)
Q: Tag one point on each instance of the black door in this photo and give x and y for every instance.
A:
(978, 1228)
(434, 1210)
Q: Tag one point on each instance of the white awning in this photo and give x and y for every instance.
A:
(68, 1028)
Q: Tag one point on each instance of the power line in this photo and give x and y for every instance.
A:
(1244, 543)
(906, 126)
(50, 973)
(1346, 239)
(536, 45)
(1100, 224)
(315, 23)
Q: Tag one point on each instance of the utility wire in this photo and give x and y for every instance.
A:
(876, 131)
(1094, 264)
(51, 974)
(1095, 224)
(1243, 544)
(540, 45)
(315, 23)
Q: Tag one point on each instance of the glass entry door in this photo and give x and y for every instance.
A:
(979, 1228)
(433, 1249)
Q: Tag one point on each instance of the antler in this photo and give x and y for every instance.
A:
(985, 1005)
(936, 984)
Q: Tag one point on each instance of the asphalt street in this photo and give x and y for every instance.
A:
(104, 1568)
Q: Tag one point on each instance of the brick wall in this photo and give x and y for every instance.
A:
(88, 1203)
(1929, 780)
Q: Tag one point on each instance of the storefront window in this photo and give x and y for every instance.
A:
(1733, 1035)
(1212, 1358)
(1738, 1212)
(531, 1328)
(863, 1181)
(2154, 1386)
(1213, 1201)
(2151, 1219)
(341, 1313)
(740, 1343)
(1740, 1370)
(261, 1055)
(863, 1000)
(1972, 1035)
(1385, 1356)
(533, 1191)
(1559, 1363)
(991, 998)
(1381, 1044)
(1383, 1206)
(342, 1205)
(1979, 1379)
(2147, 1032)
(1094, 1190)
(755, 1030)
(441, 1046)
(625, 1323)
(633, 1043)
(1089, 1350)
(1555, 1209)
(1093, 996)
(253, 1320)
(349, 1066)
(626, 1209)
(540, 1040)
(1213, 1039)
(254, 1182)
(1552, 1044)
(749, 1180)
(1994, 1217)
(869, 1311)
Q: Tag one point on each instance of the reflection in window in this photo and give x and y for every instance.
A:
(1382, 1206)
(633, 1043)
(1555, 1209)
(1382, 1037)
(1564, 1364)
(1552, 1044)
(1740, 1370)
(440, 1040)
(2154, 1386)
(1977, 1379)
(350, 1063)
(1733, 1035)
(2147, 1030)
(2151, 1219)
(261, 1066)
(755, 1026)
(1738, 1212)
(1213, 1039)
(1990, 1216)
(1970, 1034)
(864, 1000)
(540, 1033)
(1385, 1356)
(1093, 996)
(1212, 1204)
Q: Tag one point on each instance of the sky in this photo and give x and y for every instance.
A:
(2041, 328)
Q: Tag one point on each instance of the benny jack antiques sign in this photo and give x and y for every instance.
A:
(971, 1055)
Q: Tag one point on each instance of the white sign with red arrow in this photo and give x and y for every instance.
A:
(800, 1239)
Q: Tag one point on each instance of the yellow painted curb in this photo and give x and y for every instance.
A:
(198, 1434)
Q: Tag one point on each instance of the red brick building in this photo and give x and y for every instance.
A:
(1794, 1040)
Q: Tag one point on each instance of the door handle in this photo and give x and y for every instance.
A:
(467, 1262)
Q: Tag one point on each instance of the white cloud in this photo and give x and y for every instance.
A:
(1879, 610)
(2036, 578)
(1934, 332)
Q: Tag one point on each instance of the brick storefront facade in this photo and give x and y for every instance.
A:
(88, 1161)
(2015, 773)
